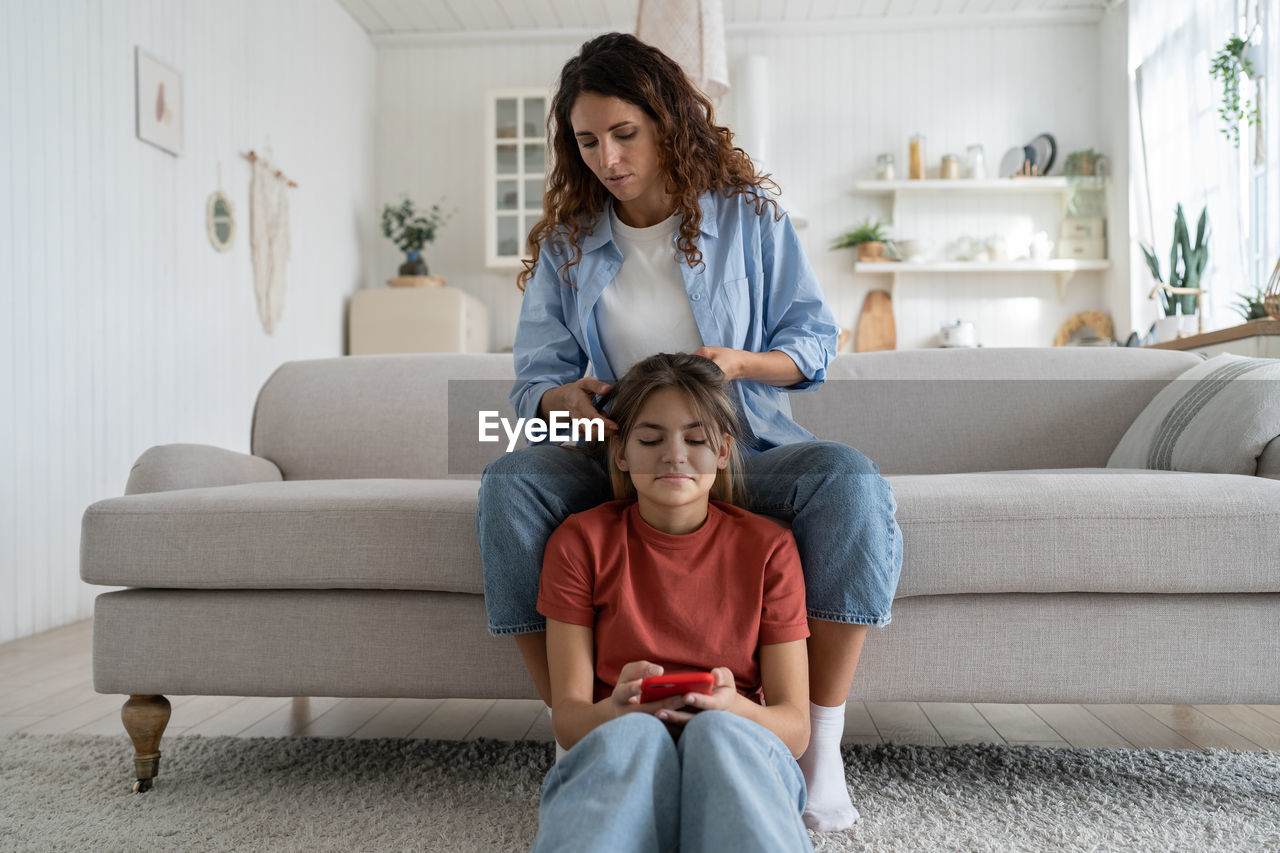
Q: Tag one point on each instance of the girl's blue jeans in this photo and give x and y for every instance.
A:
(840, 509)
(728, 783)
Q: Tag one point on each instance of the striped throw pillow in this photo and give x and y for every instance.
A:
(1216, 418)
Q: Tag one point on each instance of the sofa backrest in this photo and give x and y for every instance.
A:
(381, 415)
(942, 411)
(911, 411)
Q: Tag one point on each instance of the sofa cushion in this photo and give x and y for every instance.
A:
(1088, 530)
(1096, 530)
(309, 534)
(1217, 418)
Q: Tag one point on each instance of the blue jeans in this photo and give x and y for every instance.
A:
(728, 783)
(840, 509)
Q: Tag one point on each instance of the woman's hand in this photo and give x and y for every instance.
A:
(626, 695)
(774, 367)
(722, 698)
(732, 361)
(578, 399)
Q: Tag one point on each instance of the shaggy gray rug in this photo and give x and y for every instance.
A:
(223, 793)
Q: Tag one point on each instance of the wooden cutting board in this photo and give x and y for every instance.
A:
(876, 331)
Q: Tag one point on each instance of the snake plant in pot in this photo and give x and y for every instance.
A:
(1186, 264)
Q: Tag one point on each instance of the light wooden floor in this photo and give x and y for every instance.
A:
(46, 688)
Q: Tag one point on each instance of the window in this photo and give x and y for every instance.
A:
(515, 171)
(1183, 156)
(1265, 200)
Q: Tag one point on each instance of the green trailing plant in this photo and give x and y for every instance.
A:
(866, 231)
(1186, 263)
(1251, 307)
(409, 229)
(1229, 65)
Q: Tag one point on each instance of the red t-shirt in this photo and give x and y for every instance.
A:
(705, 599)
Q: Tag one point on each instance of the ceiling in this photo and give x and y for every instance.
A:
(445, 17)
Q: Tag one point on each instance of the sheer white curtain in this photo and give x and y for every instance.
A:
(1267, 165)
(1180, 154)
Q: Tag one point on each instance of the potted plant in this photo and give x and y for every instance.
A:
(410, 230)
(1251, 307)
(1181, 293)
(1082, 164)
(867, 237)
(1234, 60)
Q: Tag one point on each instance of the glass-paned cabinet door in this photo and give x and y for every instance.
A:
(515, 171)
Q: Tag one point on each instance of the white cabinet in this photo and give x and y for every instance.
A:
(1062, 269)
(515, 170)
(416, 319)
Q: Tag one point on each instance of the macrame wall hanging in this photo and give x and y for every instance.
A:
(269, 237)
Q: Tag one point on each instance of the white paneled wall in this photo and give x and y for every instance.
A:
(837, 100)
(840, 99)
(123, 327)
(431, 144)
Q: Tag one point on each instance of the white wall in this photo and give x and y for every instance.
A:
(1126, 302)
(838, 98)
(123, 328)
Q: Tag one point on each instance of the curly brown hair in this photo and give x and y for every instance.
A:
(696, 154)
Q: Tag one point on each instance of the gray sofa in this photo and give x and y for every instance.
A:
(340, 558)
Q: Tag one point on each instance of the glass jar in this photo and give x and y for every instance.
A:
(884, 167)
(976, 162)
(915, 166)
(950, 168)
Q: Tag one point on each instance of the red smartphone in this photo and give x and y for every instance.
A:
(657, 687)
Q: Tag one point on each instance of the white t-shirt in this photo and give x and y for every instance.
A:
(645, 309)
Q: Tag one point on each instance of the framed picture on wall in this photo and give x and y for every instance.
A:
(159, 102)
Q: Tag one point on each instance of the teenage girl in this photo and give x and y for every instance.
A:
(664, 580)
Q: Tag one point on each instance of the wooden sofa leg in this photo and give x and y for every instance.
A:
(144, 719)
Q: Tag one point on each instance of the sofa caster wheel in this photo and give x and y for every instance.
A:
(141, 786)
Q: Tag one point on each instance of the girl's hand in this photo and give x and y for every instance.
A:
(578, 399)
(626, 695)
(732, 361)
(722, 698)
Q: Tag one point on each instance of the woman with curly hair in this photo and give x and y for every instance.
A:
(660, 236)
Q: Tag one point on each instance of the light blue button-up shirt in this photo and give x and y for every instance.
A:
(754, 291)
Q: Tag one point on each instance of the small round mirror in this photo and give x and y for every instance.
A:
(220, 219)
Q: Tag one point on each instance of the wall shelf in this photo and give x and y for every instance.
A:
(1060, 186)
(968, 185)
(1063, 270)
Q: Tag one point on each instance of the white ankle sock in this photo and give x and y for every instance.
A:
(828, 807)
(560, 750)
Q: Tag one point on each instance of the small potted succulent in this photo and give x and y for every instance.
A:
(868, 237)
(410, 230)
